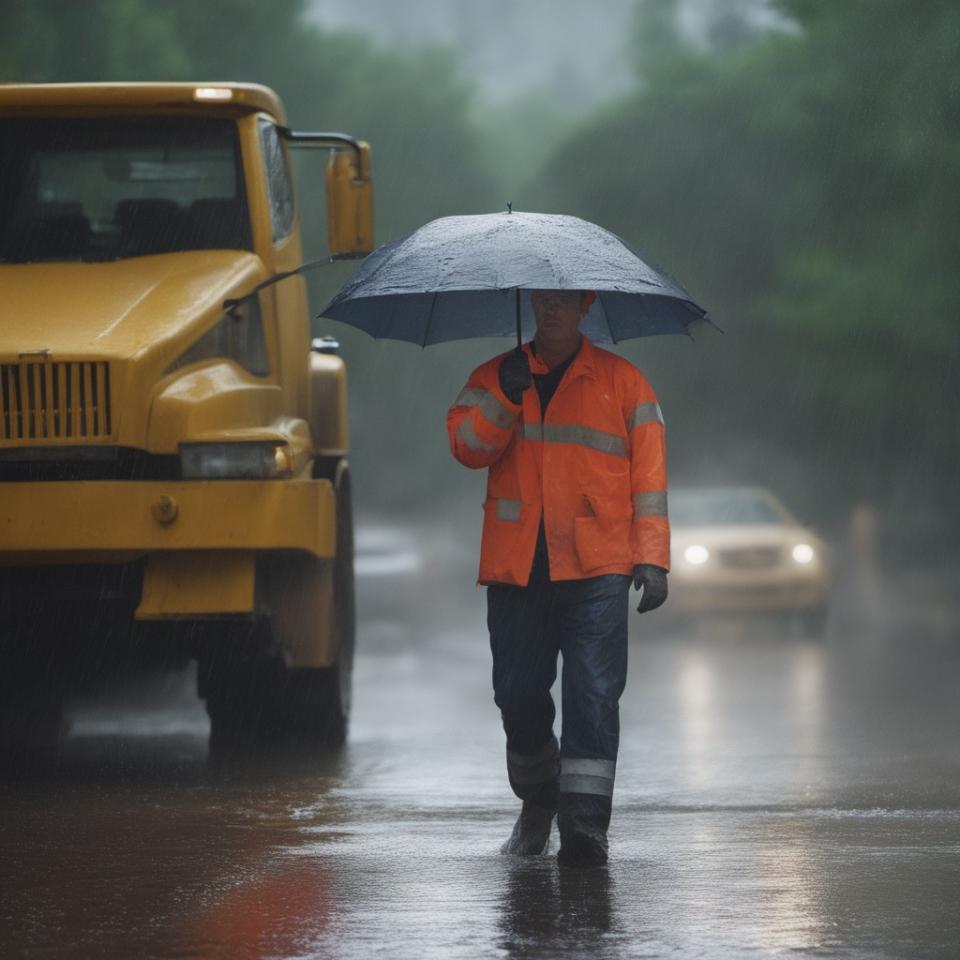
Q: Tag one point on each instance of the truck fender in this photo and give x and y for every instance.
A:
(328, 404)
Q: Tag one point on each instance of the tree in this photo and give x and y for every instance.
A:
(801, 187)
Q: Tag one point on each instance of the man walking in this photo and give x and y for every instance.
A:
(576, 510)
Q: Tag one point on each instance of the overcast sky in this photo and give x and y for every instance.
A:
(508, 46)
(574, 49)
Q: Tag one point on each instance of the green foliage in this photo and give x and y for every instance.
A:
(805, 189)
(803, 184)
(46, 40)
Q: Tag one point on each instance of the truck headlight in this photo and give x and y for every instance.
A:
(235, 461)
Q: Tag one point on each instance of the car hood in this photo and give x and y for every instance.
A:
(742, 534)
(119, 308)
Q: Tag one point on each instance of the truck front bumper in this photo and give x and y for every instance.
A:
(106, 520)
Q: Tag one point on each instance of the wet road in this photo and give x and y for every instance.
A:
(775, 796)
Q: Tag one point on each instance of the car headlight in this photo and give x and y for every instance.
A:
(696, 555)
(236, 461)
(803, 553)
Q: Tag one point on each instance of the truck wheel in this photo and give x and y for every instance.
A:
(255, 702)
(327, 693)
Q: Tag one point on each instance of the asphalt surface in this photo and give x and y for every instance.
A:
(776, 796)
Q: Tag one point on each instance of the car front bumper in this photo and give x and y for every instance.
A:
(729, 592)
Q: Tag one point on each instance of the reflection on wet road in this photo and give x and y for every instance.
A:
(774, 795)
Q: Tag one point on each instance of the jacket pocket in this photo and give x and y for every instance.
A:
(604, 538)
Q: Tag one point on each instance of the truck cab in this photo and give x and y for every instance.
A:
(174, 480)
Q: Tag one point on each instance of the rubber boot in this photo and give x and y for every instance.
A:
(583, 821)
(531, 832)
(535, 779)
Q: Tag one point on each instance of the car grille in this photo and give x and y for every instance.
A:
(43, 400)
(751, 558)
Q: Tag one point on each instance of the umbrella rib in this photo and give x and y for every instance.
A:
(426, 333)
(606, 317)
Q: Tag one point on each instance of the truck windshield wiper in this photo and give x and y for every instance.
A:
(235, 302)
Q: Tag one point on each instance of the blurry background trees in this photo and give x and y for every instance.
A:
(794, 164)
(804, 183)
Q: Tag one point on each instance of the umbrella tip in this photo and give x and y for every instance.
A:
(509, 206)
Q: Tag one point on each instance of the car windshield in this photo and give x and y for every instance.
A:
(705, 508)
(110, 188)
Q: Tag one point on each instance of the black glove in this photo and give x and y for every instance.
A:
(515, 375)
(653, 579)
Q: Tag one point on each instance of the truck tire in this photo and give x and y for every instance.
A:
(329, 691)
(257, 704)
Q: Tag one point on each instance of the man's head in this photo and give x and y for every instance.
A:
(558, 312)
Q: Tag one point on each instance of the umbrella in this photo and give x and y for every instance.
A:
(469, 276)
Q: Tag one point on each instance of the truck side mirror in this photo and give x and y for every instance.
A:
(349, 190)
(349, 202)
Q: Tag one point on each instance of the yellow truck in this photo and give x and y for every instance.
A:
(173, 448)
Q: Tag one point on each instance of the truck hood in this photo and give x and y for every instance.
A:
(116, 309)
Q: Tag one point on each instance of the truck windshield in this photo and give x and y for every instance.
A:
(110, 188)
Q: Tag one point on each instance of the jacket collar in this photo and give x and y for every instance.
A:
(584, 363)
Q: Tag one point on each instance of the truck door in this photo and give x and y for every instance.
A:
(289, 296)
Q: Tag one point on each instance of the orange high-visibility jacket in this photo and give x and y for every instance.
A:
(595, 469)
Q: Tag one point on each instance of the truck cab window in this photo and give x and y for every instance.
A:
(279, 183)
(112, 188)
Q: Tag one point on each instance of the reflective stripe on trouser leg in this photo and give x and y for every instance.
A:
(587, 776)
(535, 776)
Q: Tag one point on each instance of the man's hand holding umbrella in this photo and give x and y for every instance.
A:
(514, 375)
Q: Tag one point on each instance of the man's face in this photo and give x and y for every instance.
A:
(558, 312)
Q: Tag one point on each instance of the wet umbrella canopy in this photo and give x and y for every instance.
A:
(462, 277)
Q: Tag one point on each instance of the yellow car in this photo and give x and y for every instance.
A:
(739, 550)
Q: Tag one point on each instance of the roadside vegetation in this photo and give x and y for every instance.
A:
(802, 182)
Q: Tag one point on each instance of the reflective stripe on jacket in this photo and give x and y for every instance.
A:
(595, 469)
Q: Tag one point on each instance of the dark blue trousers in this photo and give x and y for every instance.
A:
(586, 621)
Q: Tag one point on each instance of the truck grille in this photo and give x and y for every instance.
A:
(43, 400)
